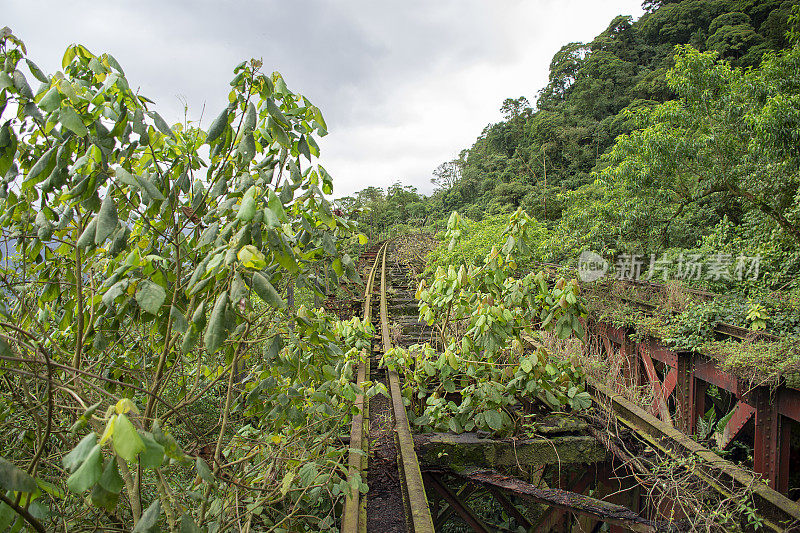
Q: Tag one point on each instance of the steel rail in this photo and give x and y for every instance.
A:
(420, 520)
(355, 505)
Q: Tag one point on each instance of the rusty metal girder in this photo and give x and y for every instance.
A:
(659, 406)
(789, 403)
(456, 504)
(569, 501)
(741, 415)
(778, 511)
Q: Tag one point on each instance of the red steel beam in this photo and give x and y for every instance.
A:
(685, 393)
(741, 415)
(766, 444)
(670, 381)
(660, 353)
(782, 483)
(789, 403)
(710, 373)
(659, 401)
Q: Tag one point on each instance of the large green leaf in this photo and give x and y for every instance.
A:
(5, 81)
(203, 470)
(72, 121)
(153, 454)
(38, 170)
(188, 525)
(247, 147)
(75, 458)
(12, 478)
(189, 339)
(88, 473)
(86, 238)
(266, 291)
(247, 208)
(36, 71)
(179, 322)
(107, 219)
(276, 113)
(22, 84)
(274, 204)
(215, 331)
(104, 498)
(149, 521)
(111, 480)
(249, 121)
(494, 419)
(150, 296)
(161, 124)
(273, 348)
(127, 442)
(302, 147)
(218, 126)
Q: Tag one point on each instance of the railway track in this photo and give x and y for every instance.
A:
(381, 442)
(382, 446)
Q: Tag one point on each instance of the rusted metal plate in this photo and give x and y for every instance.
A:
(766, 443)
(659, 401)
(789, 403)
(708, 371)
(660, 353)
(741, 415)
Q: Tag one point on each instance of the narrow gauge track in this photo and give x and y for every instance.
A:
(386, 424)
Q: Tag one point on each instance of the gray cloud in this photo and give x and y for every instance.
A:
(403, 85)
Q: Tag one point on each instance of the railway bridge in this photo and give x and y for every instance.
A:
(577, 473)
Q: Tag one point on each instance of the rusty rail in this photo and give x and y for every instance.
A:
(415, 499)
(419, 514)
(355, 506)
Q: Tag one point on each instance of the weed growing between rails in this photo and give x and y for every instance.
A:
(479, 369)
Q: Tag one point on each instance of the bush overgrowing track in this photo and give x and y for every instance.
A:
(159, 367)
(676, 472)
(445, 462)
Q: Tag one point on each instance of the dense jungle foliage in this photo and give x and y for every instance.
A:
(162, 364)
(674, 133)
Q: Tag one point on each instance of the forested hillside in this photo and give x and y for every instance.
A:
(668, 133)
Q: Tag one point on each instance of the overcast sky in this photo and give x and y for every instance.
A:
(403, 86)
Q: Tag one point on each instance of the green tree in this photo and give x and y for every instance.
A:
(137, 251)
(730, 134)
